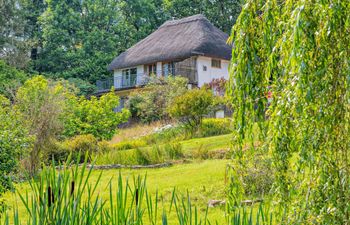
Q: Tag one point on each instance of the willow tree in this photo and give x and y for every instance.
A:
(299, 51)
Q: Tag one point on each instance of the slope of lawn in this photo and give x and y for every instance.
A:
(204, 180)
(189, 147)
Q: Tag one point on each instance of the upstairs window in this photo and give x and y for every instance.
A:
(216, 63)
(129, 77)
(168, 69)
(150, 69)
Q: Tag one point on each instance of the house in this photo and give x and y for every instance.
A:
(191, 47)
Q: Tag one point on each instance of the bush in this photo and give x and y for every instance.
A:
(14, 143)
(257, 174)
(10, 79)
(94, 116)
(201, 153)
(142, 157)
(125, 145)
(55, 151)
(83, 145)
(178, 133)
(150, 103)
(174, 151)
(156, 155)
(191, 107)
(104, 147)
(212, 127)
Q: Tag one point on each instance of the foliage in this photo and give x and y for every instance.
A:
(174, 150)
(257, 173)
(150, 103)
(95, 116)
(136, 143)
(51, 111)
(177, 133)
(77, 149)
(297, 50)
(191, 107)
(14, 45)
(218, 85)
(14, 143)
(42, 105)
(10, 79)
(222, 14)
(201, 153)
(142, 156)
(84, 87)
(80, 38)
(212, 126)
(81, 147)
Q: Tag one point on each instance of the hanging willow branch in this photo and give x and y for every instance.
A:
(299, 50)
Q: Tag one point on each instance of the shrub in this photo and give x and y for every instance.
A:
(84, 145)
(201, 153)
(55, 151)
(156, 155)
(177, 133)
(104, 146)
(191, 107)
(10, 79)
(94, 116)
(150, 103)
(137, 143)
(42, 105)
(257, 174)
(142, 157)
(212, 126)
(14, 142)
(84, 87)
(174, 151)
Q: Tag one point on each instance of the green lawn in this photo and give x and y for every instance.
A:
(210, 143)
(204, 180)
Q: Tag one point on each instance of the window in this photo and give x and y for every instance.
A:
(129, 77)
(216, 63)
(204, 68)
(150, 69)
(168, 69)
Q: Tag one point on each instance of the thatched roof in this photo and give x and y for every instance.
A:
(176, 40)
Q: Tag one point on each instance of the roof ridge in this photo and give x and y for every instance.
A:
(183, 20)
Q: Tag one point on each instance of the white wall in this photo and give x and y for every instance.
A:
(205, 77)
(159, 69)
(140, 73)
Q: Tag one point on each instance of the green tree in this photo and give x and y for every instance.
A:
(14, 45)
(84, 88)
(191, 107)
(222, 13)
(31, 11)
(10, 79)
(142, 16)
(14, 142)
(299, 51)
(43, 106)
(80, 38)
